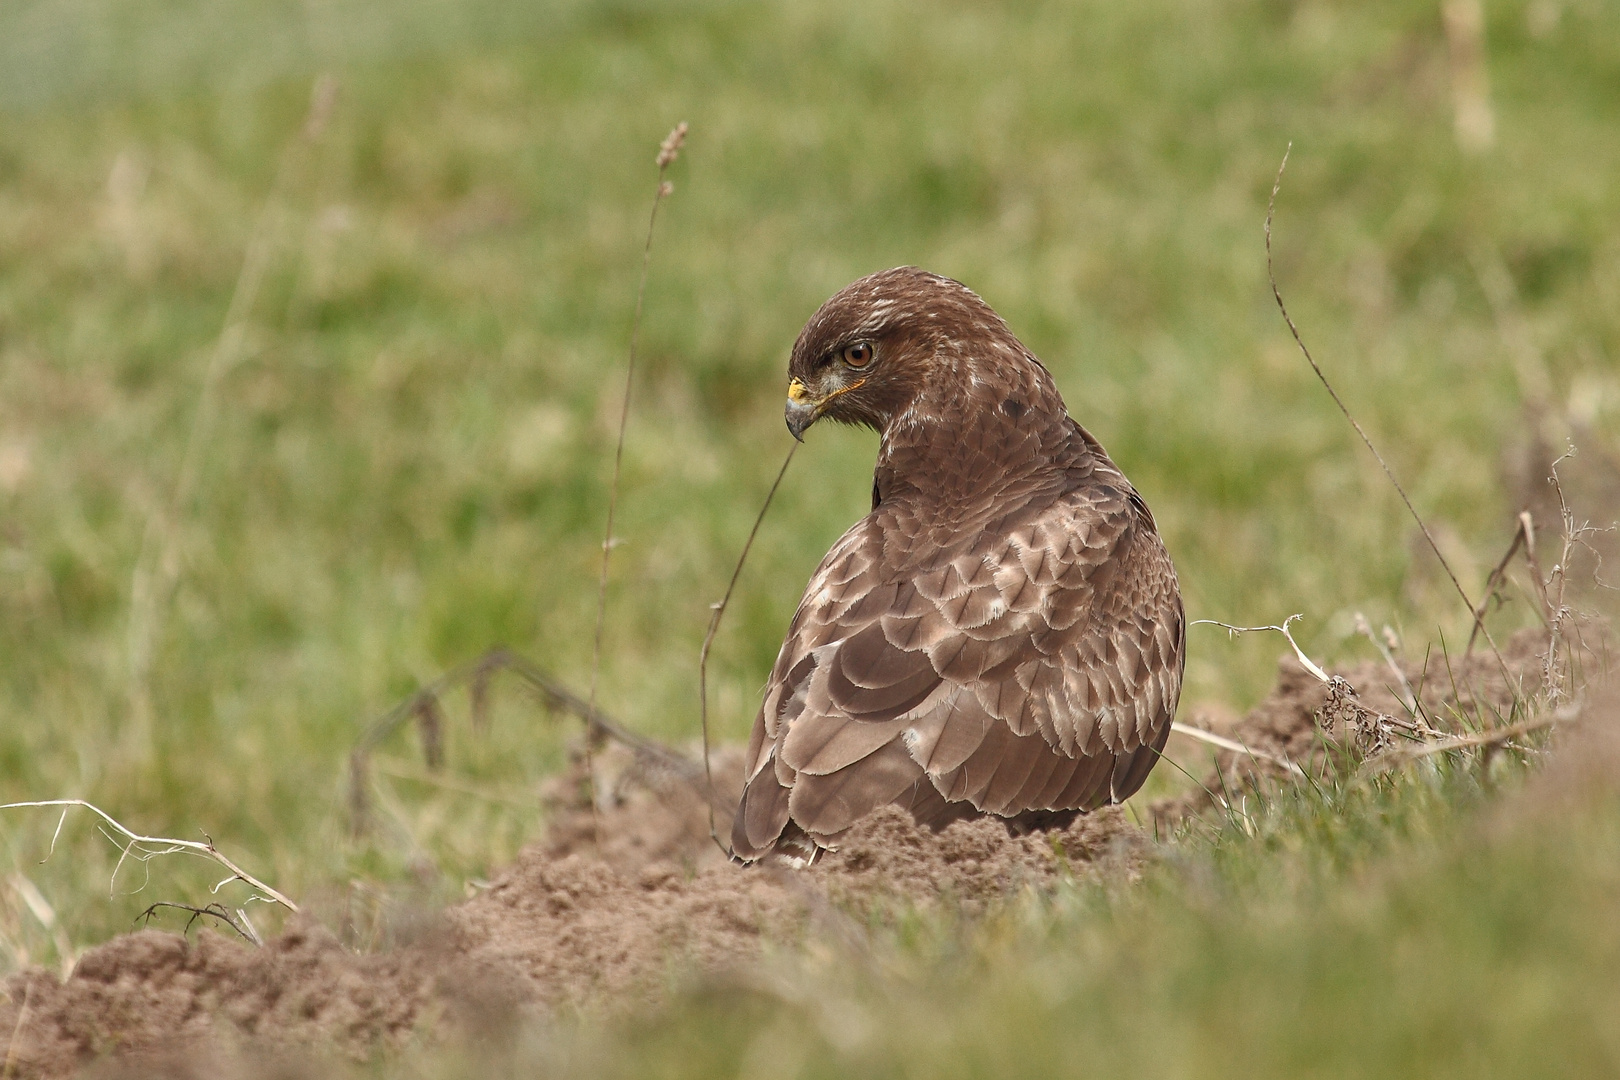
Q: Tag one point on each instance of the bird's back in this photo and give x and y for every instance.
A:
(1016, 650)
(1003, 633)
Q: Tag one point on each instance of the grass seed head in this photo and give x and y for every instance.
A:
(670, 148)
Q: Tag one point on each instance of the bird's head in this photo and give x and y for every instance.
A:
(878, 343)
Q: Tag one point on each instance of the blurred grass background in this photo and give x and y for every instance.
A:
(406, 440)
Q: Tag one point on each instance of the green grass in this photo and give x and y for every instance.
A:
(407, 462)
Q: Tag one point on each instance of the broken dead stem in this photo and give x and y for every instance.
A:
(1494, 737)
(144, 848)
(244, 928)
(476, 675)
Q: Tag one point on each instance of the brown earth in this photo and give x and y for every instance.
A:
(576, 923)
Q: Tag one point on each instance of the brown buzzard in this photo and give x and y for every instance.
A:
(1003, 633)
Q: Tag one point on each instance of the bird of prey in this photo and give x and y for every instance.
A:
(1003, 634)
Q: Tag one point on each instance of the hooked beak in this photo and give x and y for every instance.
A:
(802, 409)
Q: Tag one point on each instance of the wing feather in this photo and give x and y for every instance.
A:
(1047, 798)
(761, 817)
(869, 679)
(821, 743)
(945, 735)
(829, 804)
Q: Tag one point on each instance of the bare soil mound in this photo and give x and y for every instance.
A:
(609, 908)
(562, 927)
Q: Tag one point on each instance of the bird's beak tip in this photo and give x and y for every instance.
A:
(801, 410)
(797, 420)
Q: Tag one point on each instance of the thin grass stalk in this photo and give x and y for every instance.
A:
(667, 153)
(157, 565)
(1271, 274)
(719, 610)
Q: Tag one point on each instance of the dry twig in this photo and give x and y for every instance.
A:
(144, 848)
(1491, 737)
(1524, 535)
(1559, 614)
(213, 911)
(1299, 653)
(477, 675)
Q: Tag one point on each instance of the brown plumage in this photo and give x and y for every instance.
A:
(1003, 633)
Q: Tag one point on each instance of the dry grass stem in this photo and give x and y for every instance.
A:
(1408, 697)
(45, 914)
(430, 726)
(1276, 293)
(1236, 747)
(1560, 659)
(158, 563)
(405, 770)
(144, 848)
(1524, 535)
(1299, 653)
(719, 610)
(1493, 737)
(668, 151)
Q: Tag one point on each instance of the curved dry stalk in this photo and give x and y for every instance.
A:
(714, 627)
(477, 674)
(163, 845)
(1309, 664)
(668, 151)
(1276, 293)
(244, 929)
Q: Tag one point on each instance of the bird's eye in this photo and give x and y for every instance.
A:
(858, 355)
